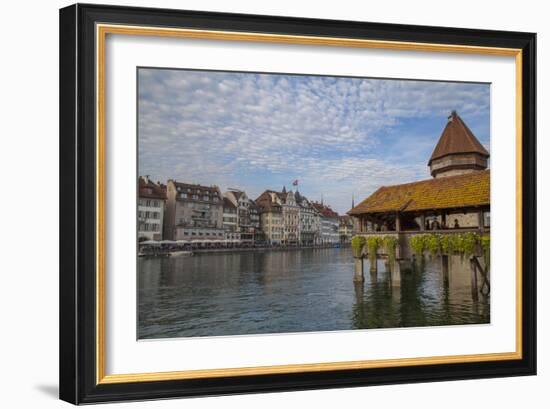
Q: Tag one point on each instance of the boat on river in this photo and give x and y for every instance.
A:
(181, 253)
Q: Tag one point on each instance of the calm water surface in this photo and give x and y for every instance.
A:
(292, 291)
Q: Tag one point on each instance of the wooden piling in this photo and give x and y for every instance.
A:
(359, 276)
(473, 272)
(445, 268)
(374, 266)
(396, 274)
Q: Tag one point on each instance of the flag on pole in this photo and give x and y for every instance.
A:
(295, 183)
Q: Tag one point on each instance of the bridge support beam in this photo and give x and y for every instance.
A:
(473, 272)
(445, 268)
(395, 274)
(359, 276)
(374, 266)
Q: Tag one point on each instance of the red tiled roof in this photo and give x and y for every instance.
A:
(194, 187)
(468, 190)
(150, 190)
(325, 211)
(265, 204)
(457, 138)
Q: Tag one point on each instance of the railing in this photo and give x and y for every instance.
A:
(434, 231)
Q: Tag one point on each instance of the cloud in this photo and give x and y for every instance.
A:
(337, 135)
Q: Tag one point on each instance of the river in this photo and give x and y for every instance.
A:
(292, 291)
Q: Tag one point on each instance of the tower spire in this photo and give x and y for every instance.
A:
(458, 151)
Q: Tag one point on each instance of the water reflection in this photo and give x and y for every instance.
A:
(294, 291)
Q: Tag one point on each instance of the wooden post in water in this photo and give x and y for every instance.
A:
(445, 268)
(373, 266)
(473, 272)
(396, 274)
(358, 277)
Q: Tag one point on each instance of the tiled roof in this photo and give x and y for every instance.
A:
(472, 189)
(150, 190)
(228, 203)
(236, 193)
(194, 187)
(457, 138)
(265, 204)
(325, 211)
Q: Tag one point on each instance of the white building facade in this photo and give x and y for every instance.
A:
(150, 212)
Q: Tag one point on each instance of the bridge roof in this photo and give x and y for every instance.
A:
(452, 192)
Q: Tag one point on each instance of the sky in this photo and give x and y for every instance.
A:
(338, 136)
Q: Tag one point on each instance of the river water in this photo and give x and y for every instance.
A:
(293, 291)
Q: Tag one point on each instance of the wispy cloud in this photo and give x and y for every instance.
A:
(337, 135)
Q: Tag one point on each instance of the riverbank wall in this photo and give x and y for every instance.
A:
(265, 249)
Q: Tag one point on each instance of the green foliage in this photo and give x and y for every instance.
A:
(390, 244)
(469, 242)
(372, 246)
(357, 244)
(485, 242)
(373, 243)
(463, 244)
(432, 243)
(418, 244)
(456, 244)
(445, 244)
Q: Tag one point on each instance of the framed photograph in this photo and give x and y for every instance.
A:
(257, 203)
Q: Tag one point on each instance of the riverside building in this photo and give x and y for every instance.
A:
(193, 212)
(151, 201)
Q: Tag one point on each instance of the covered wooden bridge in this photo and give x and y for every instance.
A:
(455, 202)
(445, 205)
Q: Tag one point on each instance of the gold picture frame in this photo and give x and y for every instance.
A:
(98, 20)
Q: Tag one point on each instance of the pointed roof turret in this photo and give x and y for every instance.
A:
(457, 138)
(458, 150)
